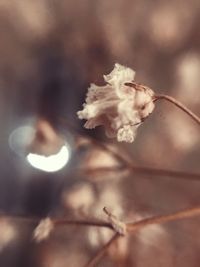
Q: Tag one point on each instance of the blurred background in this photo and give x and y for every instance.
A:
(50, 52)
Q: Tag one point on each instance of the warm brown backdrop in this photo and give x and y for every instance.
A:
(49, 53)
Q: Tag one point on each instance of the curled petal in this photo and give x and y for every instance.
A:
(119, 75)
(127, 133)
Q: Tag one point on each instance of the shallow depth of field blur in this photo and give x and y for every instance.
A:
(50, 51)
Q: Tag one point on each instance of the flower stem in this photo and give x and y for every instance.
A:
(179, 105)
(187, 213)
(102, 251)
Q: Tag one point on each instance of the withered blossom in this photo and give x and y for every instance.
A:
(120, 106)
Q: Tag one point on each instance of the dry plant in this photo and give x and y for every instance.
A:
(121, 106)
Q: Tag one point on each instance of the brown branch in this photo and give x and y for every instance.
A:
(88, 222)
(179, 105)
(142, 171)
(145, 170)
(94, 223)
(92, 171)
(99, 255)
(187, 213)
(130, 227)
(128, 163)
(99, 173)
(168, 173)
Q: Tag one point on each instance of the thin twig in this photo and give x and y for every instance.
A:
(179, 105)
(99, 255)
(94, 223)
(168, 173)
(141, 170)
(128, 163)
(187, 213)
(88, 222)
(145, 170)
(130, 227)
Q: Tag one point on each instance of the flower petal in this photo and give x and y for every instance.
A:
(119, 75)
(127, 133)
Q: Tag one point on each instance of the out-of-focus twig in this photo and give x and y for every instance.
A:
(88, 222)
(169, 173)
(99, 255)
(101, 170)
(126, 162)
(187, 213)
(130, 227)
(142, 170)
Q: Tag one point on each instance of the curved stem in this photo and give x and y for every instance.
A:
(139, 170)
(102, 251)
(60, 222)
(179, 105)
(126, 161)
(95, 223)
(187, 213)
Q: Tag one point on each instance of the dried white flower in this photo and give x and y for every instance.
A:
(120, 106)
(43, 230)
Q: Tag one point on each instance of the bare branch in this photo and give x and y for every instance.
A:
(145, 170)
(99, 255)
(94, 223)
(130, 227)
(168, 173)
(128, 163)
(187, 213)
(142, 171)
(89, 222)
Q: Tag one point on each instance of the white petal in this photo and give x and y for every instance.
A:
(96, 93)
(127, 133)
(149, 107)
(119, 75)
(89, 111)
(127, 113)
